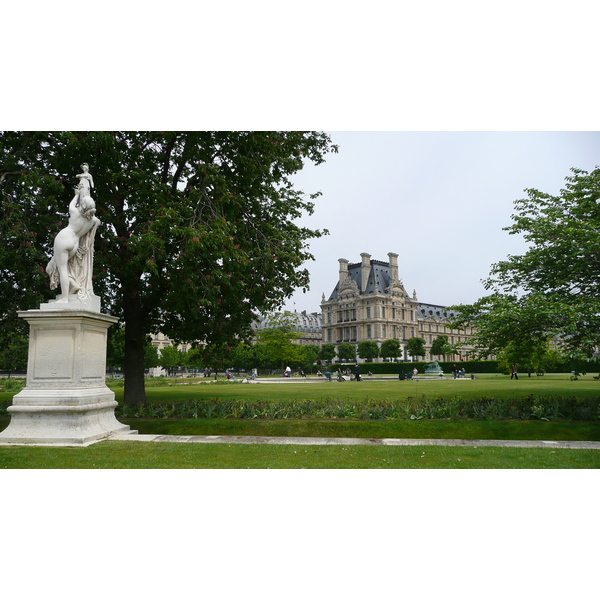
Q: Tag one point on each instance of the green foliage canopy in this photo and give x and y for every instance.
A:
(368, 349)
(171, 358)
(198, 229)
(346, 351)
(440, 346)
(390, 349)
(13, 352)
(276, 342)
(415, 346)
(552, 292)
(327, 352)
(116, 350)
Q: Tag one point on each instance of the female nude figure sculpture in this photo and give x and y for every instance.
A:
(72, 263)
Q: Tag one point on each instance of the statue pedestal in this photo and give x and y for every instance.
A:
(66, 401)
(439, 373)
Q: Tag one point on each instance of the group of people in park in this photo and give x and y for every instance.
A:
(456, 372)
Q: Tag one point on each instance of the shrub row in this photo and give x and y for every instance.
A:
(549, 408)
(11, 385)
(470, 366)
(390, 368)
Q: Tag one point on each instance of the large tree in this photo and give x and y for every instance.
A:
(552, 292)
(198, 229)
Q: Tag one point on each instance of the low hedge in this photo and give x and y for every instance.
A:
(470, 366)
(546, 408)
(391, 368)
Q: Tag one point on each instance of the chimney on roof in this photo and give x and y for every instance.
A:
(343, 269)
(393, 265)
(365, 269)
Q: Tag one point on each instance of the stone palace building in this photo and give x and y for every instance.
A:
(369, 302)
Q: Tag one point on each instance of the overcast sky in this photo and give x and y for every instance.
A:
(438, 199)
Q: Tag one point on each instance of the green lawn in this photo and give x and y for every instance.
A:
(498, 386)
(194, 455)
(138, 455)
(491, 385)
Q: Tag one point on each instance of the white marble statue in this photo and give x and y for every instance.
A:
(72, 264)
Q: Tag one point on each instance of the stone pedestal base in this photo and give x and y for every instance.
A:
(66, 401)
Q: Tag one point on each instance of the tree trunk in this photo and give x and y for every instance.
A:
(135, 334)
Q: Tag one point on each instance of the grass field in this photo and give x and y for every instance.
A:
(164, 455)
(499, 386)
(115, 455)
(496, 385)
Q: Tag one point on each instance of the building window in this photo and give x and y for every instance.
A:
(383, 312)
(369, 332)
(368, 312)
(384, 331)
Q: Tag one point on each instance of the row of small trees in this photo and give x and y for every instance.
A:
(275, 349)
(369, 350)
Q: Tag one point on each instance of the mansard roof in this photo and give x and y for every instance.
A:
(378, 279)
(434, 311)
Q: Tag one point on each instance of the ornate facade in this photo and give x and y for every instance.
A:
(369, 302)
(308, 325)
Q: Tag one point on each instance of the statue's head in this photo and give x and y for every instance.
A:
(87, 207)
(85, 167)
